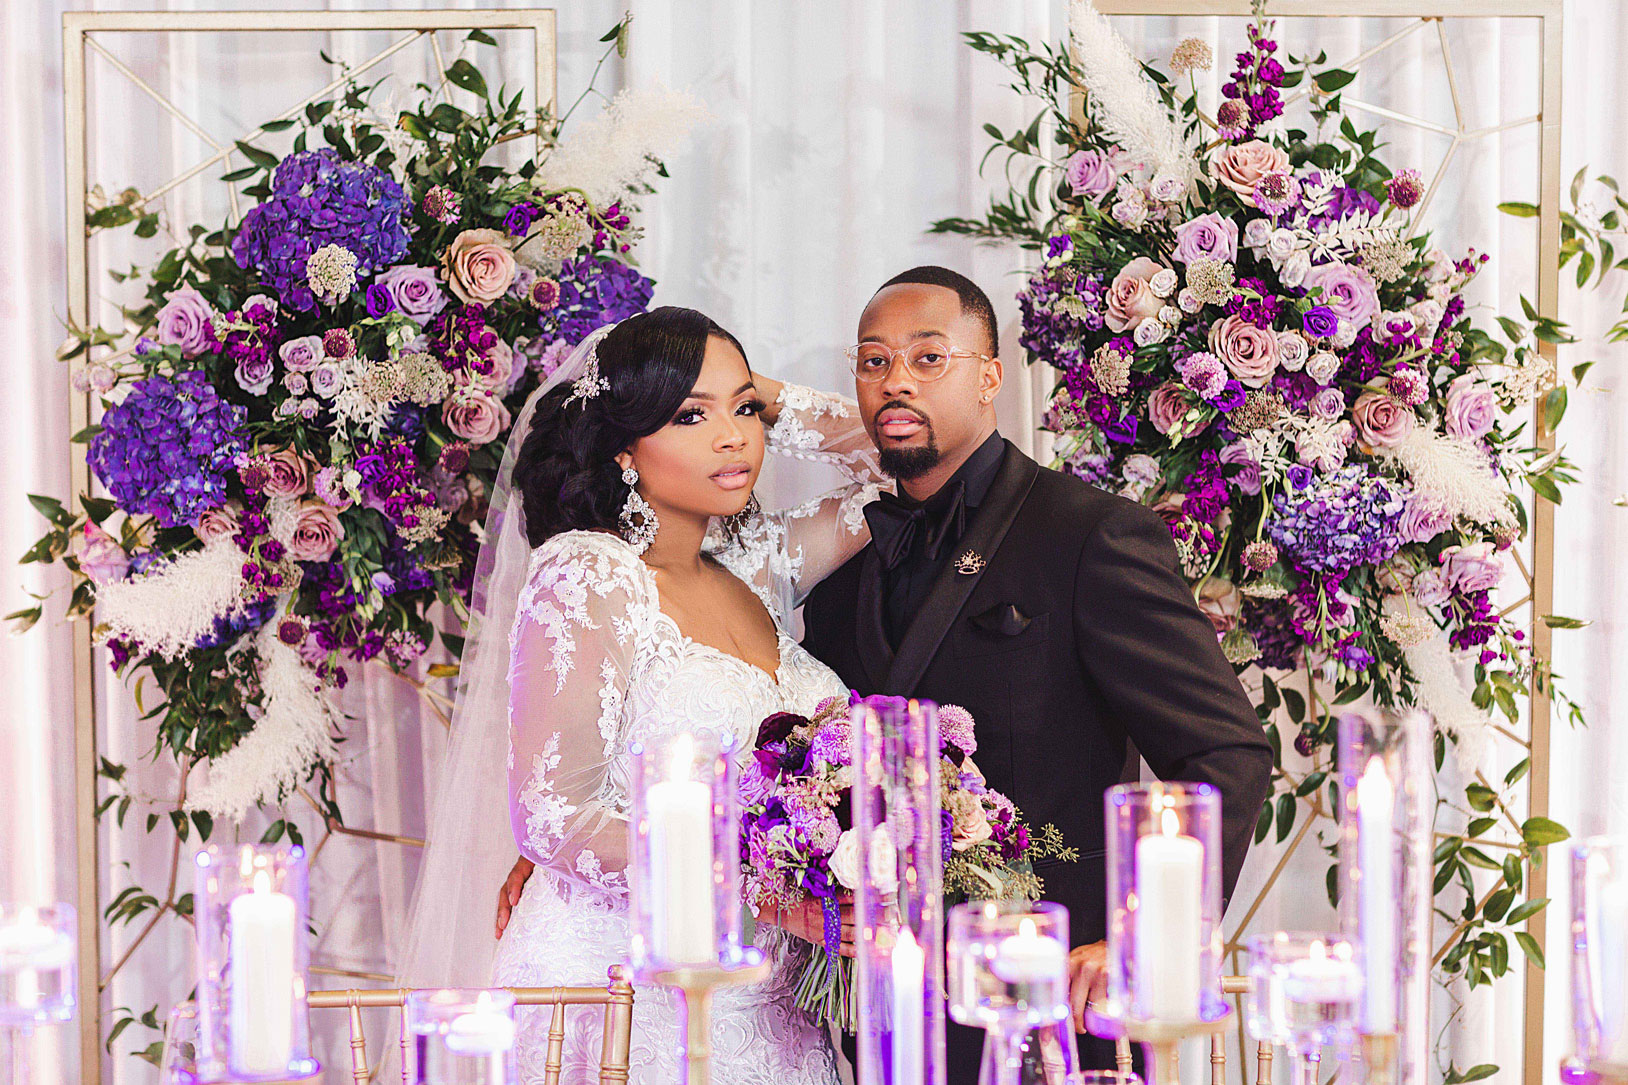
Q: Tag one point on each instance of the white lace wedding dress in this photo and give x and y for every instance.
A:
(596, 664)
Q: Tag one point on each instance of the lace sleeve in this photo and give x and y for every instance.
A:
(572, 650)
(819, 426)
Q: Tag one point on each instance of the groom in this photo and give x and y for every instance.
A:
(1051, 610)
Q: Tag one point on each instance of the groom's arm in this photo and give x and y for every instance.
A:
(1154, 655)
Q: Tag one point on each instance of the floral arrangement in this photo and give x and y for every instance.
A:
(305, 411)
(798, 841)
(1254, 335)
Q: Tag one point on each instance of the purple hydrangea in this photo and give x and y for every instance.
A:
(166, 449)
(320, 199)
(595, 292)
(1054, 332)
(1338, 522)
(227, 629)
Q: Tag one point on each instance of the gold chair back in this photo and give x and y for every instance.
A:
(616, 997)
(1230, 985)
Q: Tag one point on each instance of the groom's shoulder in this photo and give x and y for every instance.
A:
(1069, 507)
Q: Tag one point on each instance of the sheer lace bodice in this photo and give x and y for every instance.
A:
(595, 665)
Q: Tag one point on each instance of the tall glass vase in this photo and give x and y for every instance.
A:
(898, 909)
(1599, 963)
(1008, 963)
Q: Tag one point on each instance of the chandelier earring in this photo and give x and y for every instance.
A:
(637, 519)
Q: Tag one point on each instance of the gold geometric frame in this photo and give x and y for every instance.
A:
(1540, 576)
(77, 31)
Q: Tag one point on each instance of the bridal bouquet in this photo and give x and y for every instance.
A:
(798, 841)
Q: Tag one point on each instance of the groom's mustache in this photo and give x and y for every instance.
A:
(899, 405)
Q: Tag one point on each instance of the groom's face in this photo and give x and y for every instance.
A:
(917, 424)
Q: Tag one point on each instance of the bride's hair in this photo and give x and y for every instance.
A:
(566, 471)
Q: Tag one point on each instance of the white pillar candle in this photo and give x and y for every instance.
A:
(1377, 899)
(27, 948)
(262, 979)
(681, 859)
(484, 1030)
(1607, 935)
(1169, 922)
(1322, 978)
(909, 1010)
(1028, 957)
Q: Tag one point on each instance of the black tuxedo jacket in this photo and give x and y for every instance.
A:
(1074, 636)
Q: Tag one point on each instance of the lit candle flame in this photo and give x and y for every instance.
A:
(1170, 823)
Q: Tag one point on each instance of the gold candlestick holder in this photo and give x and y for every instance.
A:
(1380, 1051)
(697, 983)
(1160, 1040)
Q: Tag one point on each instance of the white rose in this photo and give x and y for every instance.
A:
(1163, 282)
(884, 861)
(1140, 469)
(1149, 332)
(1292, 350)
(1170, 315)
(1167, 188)
(1189, 301)
(1322, 366)
(844, 861)
(1344, 337)
(1281, 245)
(1256, 233)
(1427, 312)
(1294, 270)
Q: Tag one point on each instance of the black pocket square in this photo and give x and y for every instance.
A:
(1003, 618)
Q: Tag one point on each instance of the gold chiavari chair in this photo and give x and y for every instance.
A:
(616, 996)
(1230, 985)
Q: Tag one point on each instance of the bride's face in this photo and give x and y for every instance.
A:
(705, 461)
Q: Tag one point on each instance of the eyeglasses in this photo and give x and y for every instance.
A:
(927, 360)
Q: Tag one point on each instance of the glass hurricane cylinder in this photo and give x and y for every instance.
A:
(252, 954)
(1387, 808)
(1164, 903)
(1008, 974)
(38, 958)
(898, 908)
(462, 1036)
(1599, 963)
(684, 842)
(1305, 995)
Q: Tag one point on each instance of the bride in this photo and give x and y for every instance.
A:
(643, 593)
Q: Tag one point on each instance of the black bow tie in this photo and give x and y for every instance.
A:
(895, 523)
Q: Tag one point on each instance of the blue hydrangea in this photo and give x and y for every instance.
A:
(320, 199)
(165, 450)
(1338, 522)
(593, 293)
(227, 630)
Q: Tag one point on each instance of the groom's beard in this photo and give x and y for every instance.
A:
(905, 464)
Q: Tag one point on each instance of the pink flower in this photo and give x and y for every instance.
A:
(1167, 404)
(186, 320)
(1240, 167)
(1381, 421)
(955, 727)
(328, 488)
(287, 473)
(1250, 353)
(1210, 236)
(1423, 519)
(1348, 292)
(301, 355)
(1431, 588)
(1090, 173)
(475, 416)
(317, 532)
(1220, 601)
(1130, 299)
(1476, 567)
(479, 266)
(1472, 408)
(101, 557)
(218, 523)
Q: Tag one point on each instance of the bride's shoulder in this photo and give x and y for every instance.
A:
(596, 559)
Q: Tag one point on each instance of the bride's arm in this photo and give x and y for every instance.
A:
(808, 424)
(572, 650)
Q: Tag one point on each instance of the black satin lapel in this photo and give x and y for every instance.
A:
(952, 588)
(870, 635)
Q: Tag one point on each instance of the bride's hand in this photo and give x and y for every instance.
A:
(769, 389)
(807, 921)
(508, 895)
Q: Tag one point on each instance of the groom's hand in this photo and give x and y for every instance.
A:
(1087, 979)
(509, 895)
(807, 921)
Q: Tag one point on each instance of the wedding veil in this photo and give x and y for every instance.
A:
(470, 845)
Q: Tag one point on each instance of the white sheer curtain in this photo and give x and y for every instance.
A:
(839, 131)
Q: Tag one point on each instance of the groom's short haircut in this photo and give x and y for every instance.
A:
(974, 302)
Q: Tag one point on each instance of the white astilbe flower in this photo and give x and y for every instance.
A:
(619, 150)
(1124, 103)
(1454, 474)
(1439, 691)
(168, 609)
(291, 735)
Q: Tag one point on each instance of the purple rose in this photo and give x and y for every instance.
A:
(1472, 408)
(186, 320)
(1423, 519)
(253, 373)
(1348, 292)
(1248, 480)
(1472, 568)
(379, 300)
(415, 289)
(325, 380)
(303, 354)
(1327, 403)
(1210, 236)
(518, 220)
(1091, 174)
(1320, 322)
(1430, 588)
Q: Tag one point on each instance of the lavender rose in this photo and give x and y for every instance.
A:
(1248, 479)
(1250, 353)
(101, 557)
(1327, 403)
(1430, 588)
(1381, 420)
(1131, 299)
(254, 372)
(1210, 237)
(1090, 174)
(186, 320)
(1348, 292)
(1423, 519)
(1241, 167)
(317, 532)
(218, 523)
(301, 355)
(1476, 567)
(474, 416)
(415, 289)
(1472, 408)
(326, 380)
(479, 266)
